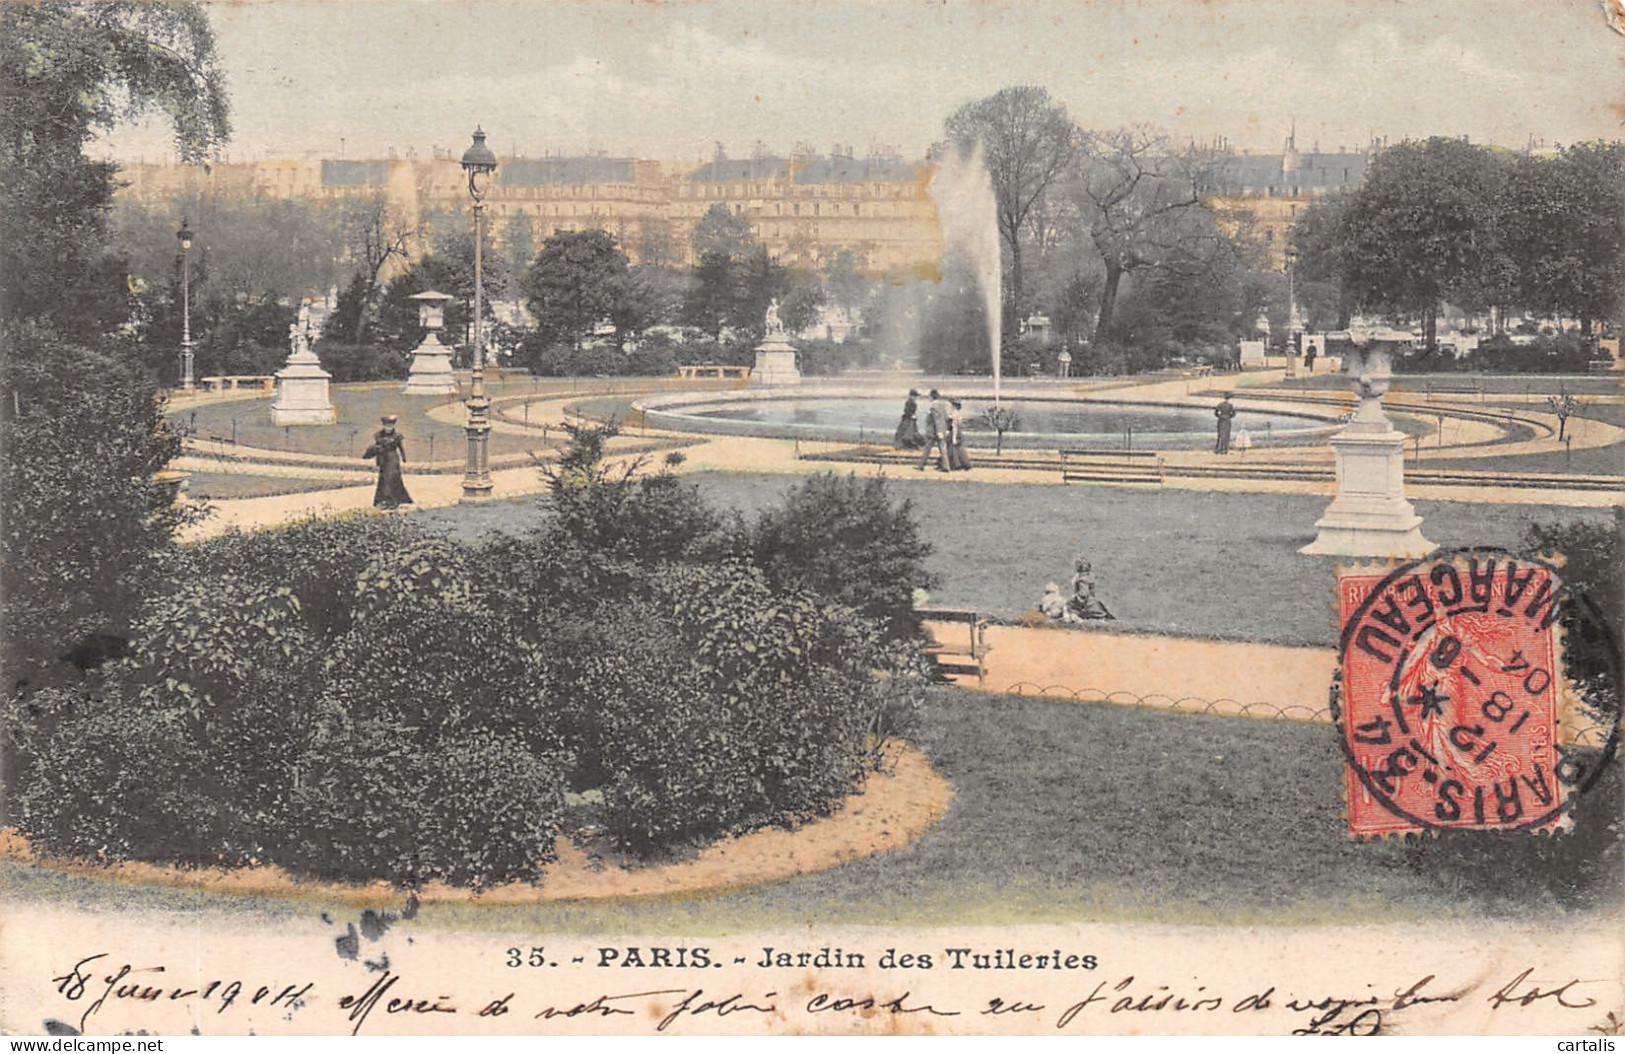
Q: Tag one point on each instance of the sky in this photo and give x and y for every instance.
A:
(666, 79)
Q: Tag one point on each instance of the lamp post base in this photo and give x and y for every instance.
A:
(477, 479)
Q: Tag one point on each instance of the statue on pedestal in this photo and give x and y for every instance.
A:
(302, 394)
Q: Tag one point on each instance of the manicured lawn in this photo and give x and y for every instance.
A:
(1077, 812)
(249, 423)
(1178, 561)
(223, 486)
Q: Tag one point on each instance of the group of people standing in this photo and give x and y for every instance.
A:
(944, 432)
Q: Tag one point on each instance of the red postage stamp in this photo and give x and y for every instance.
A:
(1453, 695)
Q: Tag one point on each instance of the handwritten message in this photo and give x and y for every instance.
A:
(777, 989)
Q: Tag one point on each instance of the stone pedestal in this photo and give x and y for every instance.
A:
(431, 372)
(1252, 353)
(301, 391)
(775, 364)
(1370, 516)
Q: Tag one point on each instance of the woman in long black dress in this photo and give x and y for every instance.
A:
(908, 429)
(389, 451)
(958, 460)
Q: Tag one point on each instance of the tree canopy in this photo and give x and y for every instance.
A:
(1027, 142)
(577, 281)
(68, 70)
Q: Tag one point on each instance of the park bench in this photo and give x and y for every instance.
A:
(712, 369)
(261, 381)
(950, 657)
(1434, 388)
(1111, 466)
(1600, 365)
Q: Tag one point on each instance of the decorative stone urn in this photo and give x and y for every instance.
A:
(1370, 516)
(431, 372)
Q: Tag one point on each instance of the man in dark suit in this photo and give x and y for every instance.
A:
(936, 433)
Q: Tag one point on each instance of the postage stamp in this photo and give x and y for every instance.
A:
(1456, 710)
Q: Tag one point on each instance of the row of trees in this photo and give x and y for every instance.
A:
(1488, 231)
(1121, 236)
(1086, 217)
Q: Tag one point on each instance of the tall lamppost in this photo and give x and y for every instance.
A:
(1294, 326)
(479, 162)
(184, 235)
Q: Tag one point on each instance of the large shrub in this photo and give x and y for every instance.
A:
(363, 362)
(845, 539)
(82, 518)
(363, 699)
(1566, 353)
(723, 705)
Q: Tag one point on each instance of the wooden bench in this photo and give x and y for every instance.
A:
(950, 658)
(262, 381)
(712, 369)
(1111, 466)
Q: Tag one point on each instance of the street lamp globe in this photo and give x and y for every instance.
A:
(479, 162)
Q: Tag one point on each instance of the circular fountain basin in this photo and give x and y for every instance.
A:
(859, 416)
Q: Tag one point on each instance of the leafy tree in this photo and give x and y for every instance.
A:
(804, 297)
(721, 232)
(1564, 225)
(711, 294)
(1141, 199)
(374, 239)
(80, 440)
(84, 520)
(1421, 228)
(1027, 142)
(1317, 239)
(650, 296)
(68, 70)
(577, 281)
(757, 281)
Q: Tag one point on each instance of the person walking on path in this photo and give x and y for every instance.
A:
(936, 434)
(908, 429)
(1226, 413)
(957, 460)
(389, 450)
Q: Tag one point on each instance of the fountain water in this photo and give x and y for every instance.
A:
(968, 212)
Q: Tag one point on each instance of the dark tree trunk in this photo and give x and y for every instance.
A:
(1430, 328)
(1108, 298)
(1014, 313)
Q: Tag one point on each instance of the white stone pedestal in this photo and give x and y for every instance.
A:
(431, 372)
(1370, 516)
(301, 391)
(775, 364)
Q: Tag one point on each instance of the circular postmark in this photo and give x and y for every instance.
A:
(1477, 691)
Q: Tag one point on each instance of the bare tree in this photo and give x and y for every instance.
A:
(1142, 199)
(375, 236)
(1027, 143)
